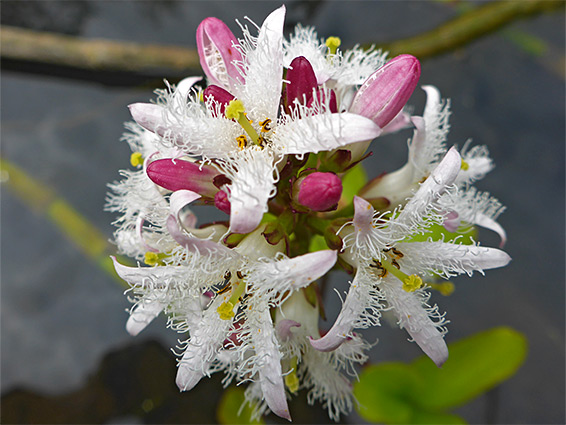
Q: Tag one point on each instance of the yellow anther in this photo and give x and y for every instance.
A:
(464, 166)
(292, 382)
(136, 159)
(226, 310)
(291, 379)
(234, 109)
(151, 258)
(242, 141)
(412, 283)
(265, 125)
(333, 43)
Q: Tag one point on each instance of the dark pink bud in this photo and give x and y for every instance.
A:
(301, 81)
(319, 191)
(179, 174)
(382, 96)
(222, 202)
(217, 93)
(321, 98)
(215, 42)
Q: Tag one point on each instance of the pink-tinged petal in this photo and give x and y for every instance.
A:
(414, 316)
(433, 103)
(401, 121)
(451, 221)
(149, 116)
(180, 199)
(320, 191)
(356, 302)
(143, 315)
(268, 359)
(301, 82)
(222, 202)
(284, 328)
(489, 223)
(324, 132)
(363, 215)
(387, 90)
(219, 95)
(217, 52)
(193, 244)
(139, 232)
(178, 174)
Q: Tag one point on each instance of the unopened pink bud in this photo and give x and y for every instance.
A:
(216, 42)
(179, 174)
(382, 96)
(301, 82)
(222, 202)
(320, 191)
(217, 93)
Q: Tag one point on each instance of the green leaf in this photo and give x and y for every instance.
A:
(385, 393)
(352, 182)
(229, 406)
(437, 232)
(475, 365)
(317, 243)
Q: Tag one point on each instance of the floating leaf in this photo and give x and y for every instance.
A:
(229, 406)
(475, 365)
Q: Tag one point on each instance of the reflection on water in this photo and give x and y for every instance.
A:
(61, 314)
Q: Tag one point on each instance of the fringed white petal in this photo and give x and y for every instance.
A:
(416, 317)
(143, 315)
(323, 132)
(361, 309)
(284, 274)
(205, 341)
(263, 68)
(253, 182)
(489, 223)
(268, 361)
(450, 259)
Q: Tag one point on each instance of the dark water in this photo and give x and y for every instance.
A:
(60, 313)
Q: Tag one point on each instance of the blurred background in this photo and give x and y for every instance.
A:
(65, 354)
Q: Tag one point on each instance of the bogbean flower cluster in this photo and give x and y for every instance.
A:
(267, 139)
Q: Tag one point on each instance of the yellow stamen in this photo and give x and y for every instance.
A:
(242, 141)
(464, 166)
(333, 43)
(226, 310)
(235, 111)
(291, 379)
(412, 283)
(136, 159)
(151, 258)
(265, 125)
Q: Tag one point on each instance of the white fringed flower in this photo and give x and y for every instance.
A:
(391, 265)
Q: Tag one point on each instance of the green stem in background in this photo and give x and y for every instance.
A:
(469, 26)
(103, 55)
(42, 199)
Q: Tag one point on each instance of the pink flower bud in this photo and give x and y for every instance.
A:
(319, 191)
(301, 82)
(215, 44)
(222, 202)
(382, 96)
(217, 93)
(179, 174)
